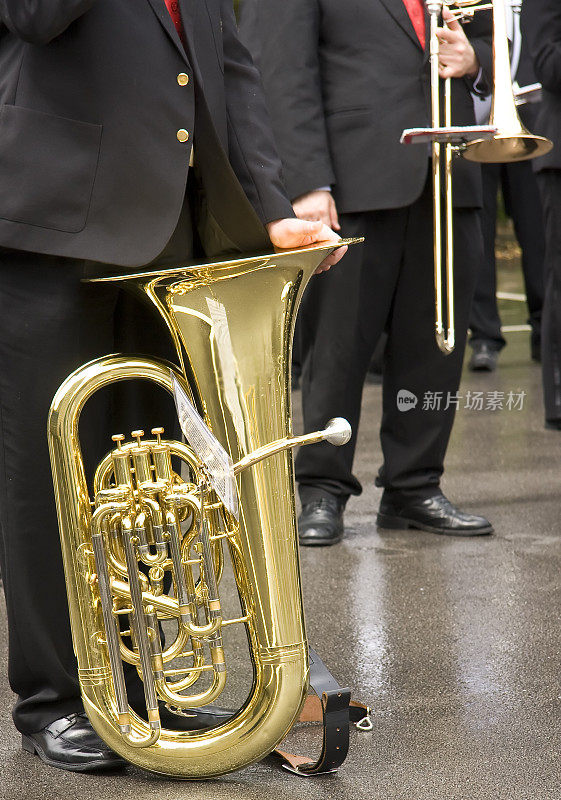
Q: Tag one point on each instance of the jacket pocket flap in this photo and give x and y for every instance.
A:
(47, 168)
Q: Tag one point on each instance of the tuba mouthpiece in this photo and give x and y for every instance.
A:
(338, 431)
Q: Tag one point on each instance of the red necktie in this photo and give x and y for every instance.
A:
(175, 12)
(416, 11)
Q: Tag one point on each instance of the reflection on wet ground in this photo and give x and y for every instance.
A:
(456, 643)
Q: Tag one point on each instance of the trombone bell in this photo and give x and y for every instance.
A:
(513, 142)
(507, 147)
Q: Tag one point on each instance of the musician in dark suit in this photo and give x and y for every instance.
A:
(342, 81)
(521, 196)
(101, 102)
(541, 25)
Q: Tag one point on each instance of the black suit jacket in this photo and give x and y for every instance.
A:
(525, 75)
(90, 108)
(343, 79)
(541, 27)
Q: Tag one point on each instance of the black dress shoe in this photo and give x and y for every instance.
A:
(484, 358)
(195, 719)
(435, 514)
(71, 743)
(321, 522)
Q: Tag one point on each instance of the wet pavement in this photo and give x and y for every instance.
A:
(455, 642)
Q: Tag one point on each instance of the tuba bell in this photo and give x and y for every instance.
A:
(145, 550)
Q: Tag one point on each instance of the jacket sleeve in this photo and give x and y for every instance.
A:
(285, 38)
(40, 21)
(541, 24)
(480, 35)
(252, 150)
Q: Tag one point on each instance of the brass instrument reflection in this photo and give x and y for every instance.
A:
(151, 523)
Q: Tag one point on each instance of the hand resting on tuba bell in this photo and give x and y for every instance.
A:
(290, 233)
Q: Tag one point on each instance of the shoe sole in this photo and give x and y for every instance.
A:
(399, 523)
(29, 746)
(197, 720)
(482, 367)
(320, 542)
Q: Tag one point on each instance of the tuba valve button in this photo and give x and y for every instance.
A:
(158, 433)
(138, 436)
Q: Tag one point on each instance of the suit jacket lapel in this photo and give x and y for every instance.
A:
(398, 11)
(163, 15)
(427, 35)
(187, 13)
(188, 16)
(189, 9)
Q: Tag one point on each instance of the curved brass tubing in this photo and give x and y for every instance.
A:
(148, 504)
(195, 700)
(280, 678)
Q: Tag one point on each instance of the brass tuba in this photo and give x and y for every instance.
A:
(232, 324)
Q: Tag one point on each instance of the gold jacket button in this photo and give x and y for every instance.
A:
(182, 135)
(182, 79)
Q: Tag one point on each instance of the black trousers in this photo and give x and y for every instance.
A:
(385, 284)
(50, 324)
(550, 188)
(522, 203)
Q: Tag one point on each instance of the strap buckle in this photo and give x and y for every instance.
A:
(365, 724)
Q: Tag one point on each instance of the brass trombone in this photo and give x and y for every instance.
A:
(504, 139)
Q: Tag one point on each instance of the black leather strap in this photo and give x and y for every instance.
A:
(332, 705)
